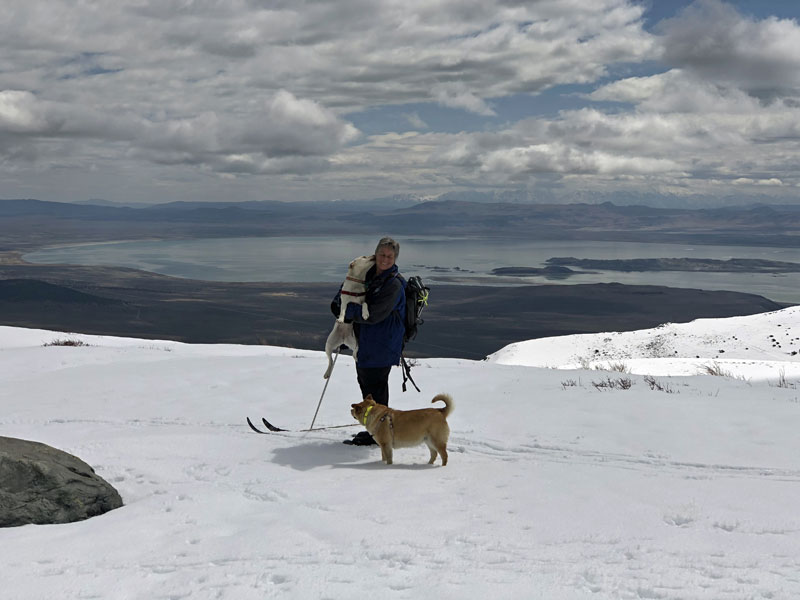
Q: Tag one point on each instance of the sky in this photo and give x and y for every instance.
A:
(563, 482)
(163, 100)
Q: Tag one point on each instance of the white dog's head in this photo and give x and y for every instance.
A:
(359, 266)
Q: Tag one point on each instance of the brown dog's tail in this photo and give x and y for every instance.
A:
(449, 405)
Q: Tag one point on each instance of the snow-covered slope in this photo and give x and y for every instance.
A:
(753, 347)
(561, 484)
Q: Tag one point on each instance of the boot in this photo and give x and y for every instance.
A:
(362, 438)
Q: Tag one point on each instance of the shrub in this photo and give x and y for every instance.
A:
(74, 343)
(621, 383)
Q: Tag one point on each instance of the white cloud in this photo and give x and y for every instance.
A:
(299, 126)
(455, 95)
(20, 112)
(415, 121)
(566, 159)
(748, 181)
(643, 143)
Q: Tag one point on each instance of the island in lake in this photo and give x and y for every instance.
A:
(559, 266)
(550, 271)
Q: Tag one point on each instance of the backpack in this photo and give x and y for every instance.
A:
(416, 299)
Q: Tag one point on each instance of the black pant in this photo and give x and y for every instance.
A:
(375, 381)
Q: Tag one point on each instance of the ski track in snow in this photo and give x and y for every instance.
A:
(552, 491)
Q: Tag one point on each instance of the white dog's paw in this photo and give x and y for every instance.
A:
(364, 311)
(342, 312)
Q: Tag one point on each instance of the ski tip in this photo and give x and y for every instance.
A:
(270, 426)
(253, 427)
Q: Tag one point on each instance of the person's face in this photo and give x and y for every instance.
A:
(384, 259)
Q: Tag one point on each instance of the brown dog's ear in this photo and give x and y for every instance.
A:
(369, 399)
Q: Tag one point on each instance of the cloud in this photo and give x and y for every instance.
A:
(561, 158)
(290, 135)
(678, 147)
(255, 164)
(298, 126)
(579, 143)
(170, 91)
(278, 139)
(748, 181)
(191, 81)
(677, 91)
(348, 53)
(415, 121)
(455, 95)
(21, 113)
(715, 42)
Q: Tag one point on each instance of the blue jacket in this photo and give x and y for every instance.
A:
(380, 338)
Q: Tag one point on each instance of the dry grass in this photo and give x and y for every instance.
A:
(716, 370)
(657, 385)
(569, 383)
(783, 382)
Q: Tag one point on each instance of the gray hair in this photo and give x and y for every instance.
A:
(388, 242)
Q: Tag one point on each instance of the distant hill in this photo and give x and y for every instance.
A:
(31, 291)
(26, 224)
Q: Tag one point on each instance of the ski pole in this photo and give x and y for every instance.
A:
(327, 381)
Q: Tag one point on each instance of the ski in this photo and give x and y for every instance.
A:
(254, 428)
(273, 428)
(270, 426)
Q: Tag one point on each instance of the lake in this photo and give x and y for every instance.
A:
(442, 260)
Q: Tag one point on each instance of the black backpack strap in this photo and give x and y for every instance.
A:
(407, 373)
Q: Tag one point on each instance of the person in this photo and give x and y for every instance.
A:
(380, 337)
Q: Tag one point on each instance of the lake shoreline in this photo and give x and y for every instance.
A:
(456, 261)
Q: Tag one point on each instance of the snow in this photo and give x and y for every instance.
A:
(561, 483)
(758, 347)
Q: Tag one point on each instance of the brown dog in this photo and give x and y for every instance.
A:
(406, 428)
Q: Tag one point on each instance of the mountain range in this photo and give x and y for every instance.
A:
(27, 224)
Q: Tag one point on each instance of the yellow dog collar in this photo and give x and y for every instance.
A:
(366, 414)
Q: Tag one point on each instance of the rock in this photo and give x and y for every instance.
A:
(40, 484)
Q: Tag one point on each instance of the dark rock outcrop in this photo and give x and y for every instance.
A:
(40, 484)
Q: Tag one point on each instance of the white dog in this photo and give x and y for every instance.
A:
(354, 290)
